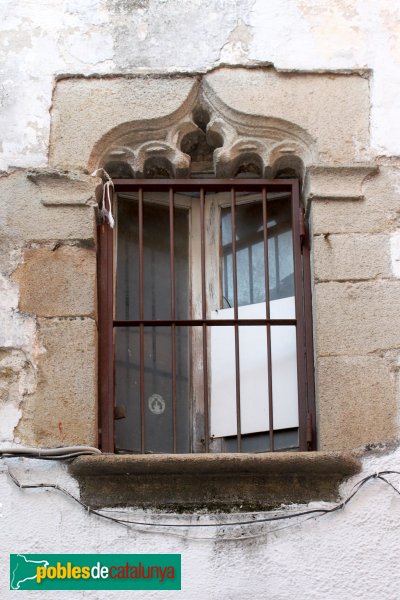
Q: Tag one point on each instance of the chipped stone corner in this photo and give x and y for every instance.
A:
(59, 187)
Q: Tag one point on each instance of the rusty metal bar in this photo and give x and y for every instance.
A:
(236, 315)
(302, 320)
(189, 185)
(267, 316)
(300, 333)
(208, 322)
(106, 335)
(309, 350)
(173, 311)
(141, 316)
(204, 316)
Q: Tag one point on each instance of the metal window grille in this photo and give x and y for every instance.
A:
(110, 322)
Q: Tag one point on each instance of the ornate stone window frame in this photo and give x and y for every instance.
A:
(305, 145)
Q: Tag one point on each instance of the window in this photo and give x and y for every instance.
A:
(204, 316)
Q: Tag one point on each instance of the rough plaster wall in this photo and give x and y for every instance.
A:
(40, 39)
(348, 555)
(18, 354)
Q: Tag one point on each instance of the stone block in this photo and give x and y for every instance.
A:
(356, 318)
(332, 108)
(25, 218)
(86, 109)
(379, 211)
(341, 183)
(60, 282)
(345, 257)
(63, 409)
(357, 401)
(64, 188)
(227, 482)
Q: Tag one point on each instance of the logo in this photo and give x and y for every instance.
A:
(156, 404)
(95, 572)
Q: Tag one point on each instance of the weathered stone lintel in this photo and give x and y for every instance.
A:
(337, 183)
(213, 481)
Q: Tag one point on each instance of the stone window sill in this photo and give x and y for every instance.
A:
(222, 482)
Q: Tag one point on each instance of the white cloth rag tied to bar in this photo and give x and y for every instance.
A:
(108, 188)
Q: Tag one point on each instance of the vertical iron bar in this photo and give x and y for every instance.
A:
(106, 335)
(251, 282)
(311, 445)
(300, 333)
(204, 316)
(267, 316)
(173, 311)
(236, 316)
(277, 270)
(141, 317)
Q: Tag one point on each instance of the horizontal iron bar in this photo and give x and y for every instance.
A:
(274, 185)
(200, 322)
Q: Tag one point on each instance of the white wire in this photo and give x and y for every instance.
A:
(60, 452)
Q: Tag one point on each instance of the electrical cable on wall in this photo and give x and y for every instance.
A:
(63, 453)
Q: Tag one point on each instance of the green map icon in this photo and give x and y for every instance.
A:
(23, 569)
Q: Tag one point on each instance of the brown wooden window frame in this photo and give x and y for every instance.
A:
(303, 312)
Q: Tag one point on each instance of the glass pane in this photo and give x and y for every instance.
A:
(127, 381)
(250, 251)
(156, 258)
(157, 344)
(253, 351)
(253, 369)
(285, 439)
(158, 390)
(158, 403)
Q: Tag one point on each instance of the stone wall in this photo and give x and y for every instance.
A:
(352, 213)
(355, 313)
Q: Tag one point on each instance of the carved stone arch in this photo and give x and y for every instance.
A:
(181, 130)
(252, 152)
(288, 158)
(168, 156)
(206, 134)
